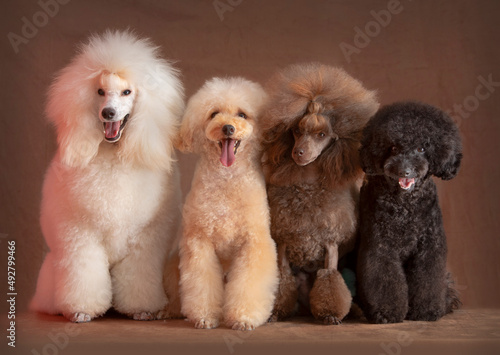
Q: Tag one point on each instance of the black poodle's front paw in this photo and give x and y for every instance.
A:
(385, 318)
(424, 315)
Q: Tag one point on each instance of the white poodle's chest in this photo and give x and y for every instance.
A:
(114, 198)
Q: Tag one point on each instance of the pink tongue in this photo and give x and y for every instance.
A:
(406, 183)
(111, 129)
(227, 153)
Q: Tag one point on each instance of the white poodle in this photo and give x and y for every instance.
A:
(111, 195)
(228, 265)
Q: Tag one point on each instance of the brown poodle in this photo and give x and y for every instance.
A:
(312, 129)
(228, 263)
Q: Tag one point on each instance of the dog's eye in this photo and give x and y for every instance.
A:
(394, 150)
(321, 135)
(126, 92)
(296, 131)
(421, 150)
(100, 92)
(214, 114)
(242, 115)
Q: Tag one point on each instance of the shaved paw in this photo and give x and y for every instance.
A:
(79, 317)
(144, 316)
(243, 326)
(273, 318)
(206, 323)
(383, 318)
(331, 320)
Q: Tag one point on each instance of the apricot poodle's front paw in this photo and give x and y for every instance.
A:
(332, 320)
(206, 323)
(143, 316)
(385, 318)
(243, 326)
(78, 317)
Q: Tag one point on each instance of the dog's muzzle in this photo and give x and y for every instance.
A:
(113, 129)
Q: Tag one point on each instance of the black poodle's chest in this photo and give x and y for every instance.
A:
(404, 223)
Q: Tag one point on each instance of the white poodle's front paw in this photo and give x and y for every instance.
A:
(206, 323)
(78, 317)
(243, 326)
(144, 316)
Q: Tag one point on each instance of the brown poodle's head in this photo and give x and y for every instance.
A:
(221, 119)
(315, 115)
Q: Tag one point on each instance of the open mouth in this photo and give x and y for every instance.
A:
(113, 130)
(405, 183)
(228, 148)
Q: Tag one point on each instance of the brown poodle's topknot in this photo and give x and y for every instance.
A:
(319, 90)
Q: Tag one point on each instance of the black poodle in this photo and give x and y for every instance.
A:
(402, 257)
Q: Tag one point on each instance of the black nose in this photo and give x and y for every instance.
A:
(404, 172)
(299, 152)
(108, 113)
(228, 130)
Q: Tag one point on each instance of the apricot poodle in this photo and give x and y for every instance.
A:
(228, 266)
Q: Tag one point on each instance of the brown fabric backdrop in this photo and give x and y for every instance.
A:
(434, 51)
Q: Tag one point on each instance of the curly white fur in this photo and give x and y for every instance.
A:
(110, 210)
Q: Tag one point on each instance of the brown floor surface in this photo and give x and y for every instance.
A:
(463, 332)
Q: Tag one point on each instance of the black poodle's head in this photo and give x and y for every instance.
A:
(409, 141)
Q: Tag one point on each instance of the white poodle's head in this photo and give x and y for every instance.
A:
(221, 119)
(117, 91)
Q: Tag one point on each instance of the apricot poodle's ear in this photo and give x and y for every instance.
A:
(445, 162)
(184, 140)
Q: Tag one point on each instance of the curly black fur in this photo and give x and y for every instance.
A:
(402, 258)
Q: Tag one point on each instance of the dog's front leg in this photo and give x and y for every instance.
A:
(330, 299)
(138, 278)
(201, 280)
(251, 284)
(286, 296)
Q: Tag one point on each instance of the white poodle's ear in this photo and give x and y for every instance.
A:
(148, 138)
(70, 109)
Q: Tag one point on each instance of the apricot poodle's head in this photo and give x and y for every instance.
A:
(409, 141)
(220, 121)
(315, 115)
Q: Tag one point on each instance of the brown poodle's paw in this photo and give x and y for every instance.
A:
(385, 318)
(243, 326)
(144, 316)
(331, 320)
(273, 318)
(206, 323)
(330, 299)
(78, 317)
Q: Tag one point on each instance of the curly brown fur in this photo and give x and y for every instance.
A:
(312, 129)
(402, 260)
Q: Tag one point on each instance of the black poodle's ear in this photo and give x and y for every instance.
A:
(448, 153)
(370, 156)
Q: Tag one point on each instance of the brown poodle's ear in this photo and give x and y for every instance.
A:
(446, 160)
(340, 161)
